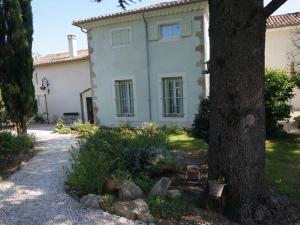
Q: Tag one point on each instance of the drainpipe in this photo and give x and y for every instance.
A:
(148, 66)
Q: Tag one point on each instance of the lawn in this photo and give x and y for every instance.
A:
(283, 161)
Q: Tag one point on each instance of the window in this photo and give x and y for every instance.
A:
(170, 31)
(172, 89)
(124, 98)
(121, 37)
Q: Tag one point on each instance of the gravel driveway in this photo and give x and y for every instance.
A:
(35, 195)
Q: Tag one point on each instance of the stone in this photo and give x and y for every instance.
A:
(137, 209)
(130, 191)
(161, 187)
(92, 201)
(164, 222)
(122, 209)
(174, 194)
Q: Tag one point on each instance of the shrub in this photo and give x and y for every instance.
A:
(90, 168)
(165, 208)
(173, 129)
(297, 120)
(278, 93)
(201, 121)
(40, 118)
(13, 145)
(60, 128)
(145, 182)
(84, 129)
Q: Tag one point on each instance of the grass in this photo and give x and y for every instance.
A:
(282, 161)
(187, 142)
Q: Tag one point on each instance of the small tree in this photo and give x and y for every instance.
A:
(201, 121)
(16, 64)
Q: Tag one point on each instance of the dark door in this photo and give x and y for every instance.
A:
(89, 106)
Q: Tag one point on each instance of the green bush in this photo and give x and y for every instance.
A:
(13, 145)
(201, 121)
(165, 208)
(60, 128)
(145, 182)
(278, 93)
(40, 118)
(173, 129)
(84, 129)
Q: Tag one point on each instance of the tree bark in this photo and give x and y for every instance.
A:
(237, 115)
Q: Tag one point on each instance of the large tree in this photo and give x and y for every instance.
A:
(16, 64)
(237, 119)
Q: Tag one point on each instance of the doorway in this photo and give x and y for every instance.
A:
(89, 107)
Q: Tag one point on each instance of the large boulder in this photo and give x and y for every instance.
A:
(130, 191)
(92, 201)
(134, 210)
(161, 187)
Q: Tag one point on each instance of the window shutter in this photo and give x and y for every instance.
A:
(186, 28)
(153, 33)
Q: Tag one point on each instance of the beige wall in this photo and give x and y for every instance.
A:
(278, 53)
(67, 81)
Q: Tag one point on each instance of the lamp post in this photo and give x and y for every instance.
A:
(45, 86)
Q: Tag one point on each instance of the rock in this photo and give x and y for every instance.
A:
(133, 210)
(130, 191)
(174, 194)
(164, 222)
(92, 201)
(121, 209)
(161, 187)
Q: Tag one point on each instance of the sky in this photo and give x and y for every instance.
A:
(53, 20)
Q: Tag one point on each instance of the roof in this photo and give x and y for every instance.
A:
(60, 58)
(134, 11)
(284, 20)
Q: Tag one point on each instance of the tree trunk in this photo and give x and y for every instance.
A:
(237, 115)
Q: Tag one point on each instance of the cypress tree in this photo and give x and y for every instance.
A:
(16, 64)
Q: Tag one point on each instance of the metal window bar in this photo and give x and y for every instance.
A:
(124, 98)
(173, 97)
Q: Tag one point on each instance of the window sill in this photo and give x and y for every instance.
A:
(170, 39)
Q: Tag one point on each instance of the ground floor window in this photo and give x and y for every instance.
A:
(172, 92)
(124, 98)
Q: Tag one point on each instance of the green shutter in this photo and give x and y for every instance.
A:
(153, 33)
(186, 28)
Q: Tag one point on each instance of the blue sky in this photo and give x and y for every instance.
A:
(53, 20)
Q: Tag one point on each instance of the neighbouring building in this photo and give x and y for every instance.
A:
(281, 52)
(62, 84)
(146, 64)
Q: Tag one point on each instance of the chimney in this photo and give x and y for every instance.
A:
(72, 46)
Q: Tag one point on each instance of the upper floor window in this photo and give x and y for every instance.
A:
(124, 98)
(121, 37)
(172, 92)
(170, 31)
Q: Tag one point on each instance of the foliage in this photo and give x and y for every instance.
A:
(60, 128)
(173, 129)
(278, 93)
(220, 180)
(12, 145)
(297, 120)
(40, 118)
(201, 121)
(108, 200)
(145, 182)
(16, 64)
(165, 208)
(296, 79)
(84, 129)
(90, 168)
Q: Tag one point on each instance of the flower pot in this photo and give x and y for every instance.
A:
(216, 190)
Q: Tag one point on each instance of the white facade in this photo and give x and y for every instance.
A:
(66, 83)
(279, 51)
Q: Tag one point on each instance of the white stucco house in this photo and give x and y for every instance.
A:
(281, 52)
(62, 84)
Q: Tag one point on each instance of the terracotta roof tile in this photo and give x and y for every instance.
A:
(133, 11)
(60, 58)
(289, 19)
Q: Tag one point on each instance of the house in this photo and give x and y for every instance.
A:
(62, 84)
(281, 53)
(146, 64)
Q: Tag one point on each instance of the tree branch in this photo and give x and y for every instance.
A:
(122, 3)
(272, 7)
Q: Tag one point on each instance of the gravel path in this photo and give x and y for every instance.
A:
(35, 195)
